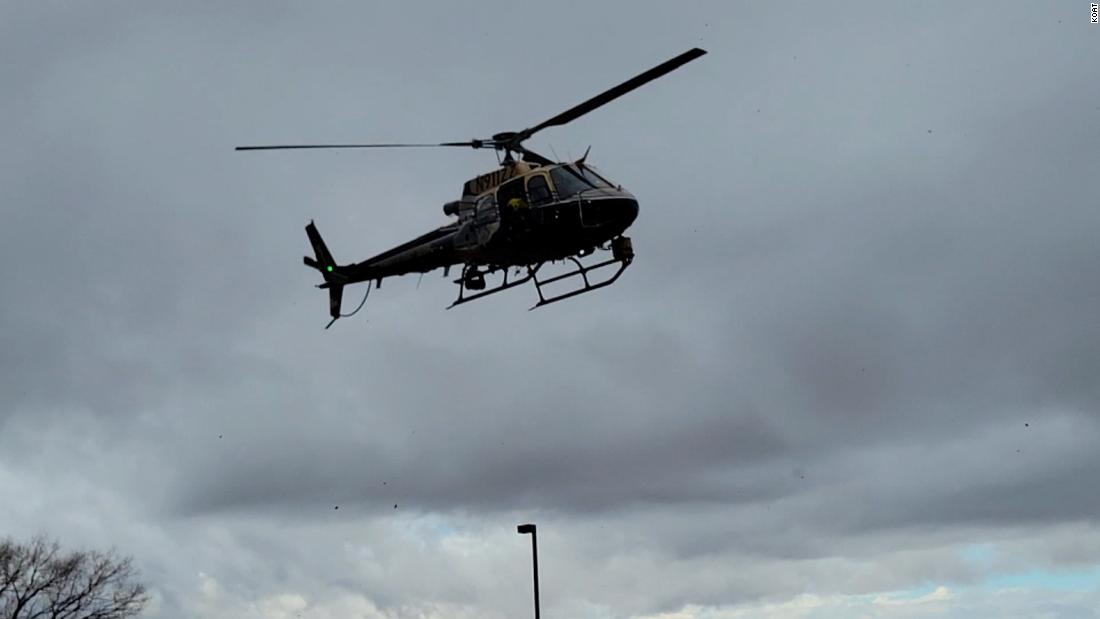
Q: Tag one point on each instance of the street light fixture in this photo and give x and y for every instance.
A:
(530, 528)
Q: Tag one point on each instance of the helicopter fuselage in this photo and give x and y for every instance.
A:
(531, 226)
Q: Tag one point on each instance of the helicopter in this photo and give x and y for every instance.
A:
(529, 212)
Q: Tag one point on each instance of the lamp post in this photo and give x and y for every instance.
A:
(530, 528)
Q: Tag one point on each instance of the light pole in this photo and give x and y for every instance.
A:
(530, 528)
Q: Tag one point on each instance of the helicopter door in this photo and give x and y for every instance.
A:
(511, 196)
(514, 209)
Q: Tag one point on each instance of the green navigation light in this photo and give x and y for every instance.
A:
(329, 269)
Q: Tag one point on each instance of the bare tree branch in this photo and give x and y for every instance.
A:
(38, 581)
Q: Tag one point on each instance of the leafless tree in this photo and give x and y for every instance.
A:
(39, 581)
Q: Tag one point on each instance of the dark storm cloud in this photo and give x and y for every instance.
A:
(866, 257)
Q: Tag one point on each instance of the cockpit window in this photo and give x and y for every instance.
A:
(569, 180)
(538, 192)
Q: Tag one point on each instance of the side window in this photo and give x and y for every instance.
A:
(486, 209)
(538, 190)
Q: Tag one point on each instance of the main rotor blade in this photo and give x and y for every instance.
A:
(614, 93)
(471, 144)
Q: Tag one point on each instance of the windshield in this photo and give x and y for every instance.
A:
(593, 176)
(569, 180)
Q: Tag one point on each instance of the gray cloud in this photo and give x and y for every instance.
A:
(866, 258)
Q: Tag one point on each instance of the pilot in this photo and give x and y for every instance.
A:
(517, 203)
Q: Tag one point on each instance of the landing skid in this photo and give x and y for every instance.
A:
(583, 272)
(622, 253)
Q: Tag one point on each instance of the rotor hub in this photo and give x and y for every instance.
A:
(505, 139)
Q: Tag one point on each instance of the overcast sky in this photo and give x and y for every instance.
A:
(852, 372)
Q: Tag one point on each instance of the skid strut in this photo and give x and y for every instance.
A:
(466, 271)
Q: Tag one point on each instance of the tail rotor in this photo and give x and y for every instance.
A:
(324, 262)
